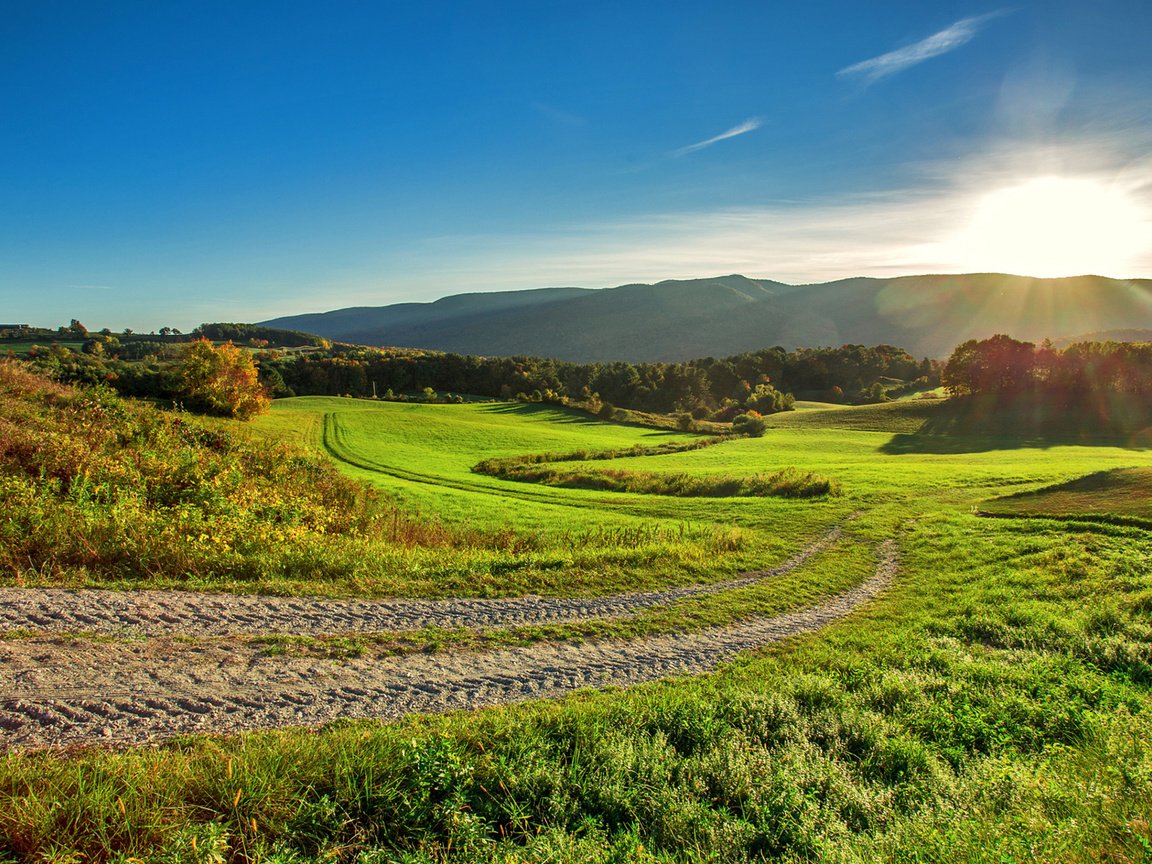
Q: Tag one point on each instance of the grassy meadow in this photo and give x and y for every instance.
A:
(995, 704)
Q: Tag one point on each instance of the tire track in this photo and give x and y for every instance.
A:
(141, 692)
(172, 613)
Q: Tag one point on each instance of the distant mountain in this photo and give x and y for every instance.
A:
(682, 319)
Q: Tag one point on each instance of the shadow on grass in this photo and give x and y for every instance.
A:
(952, 444)
(978, 425)
(1117, 496)
(556, 413)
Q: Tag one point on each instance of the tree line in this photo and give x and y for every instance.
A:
(765, 381)
(762, 382)
(1087, 387)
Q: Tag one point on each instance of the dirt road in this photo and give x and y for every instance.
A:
(64, 690)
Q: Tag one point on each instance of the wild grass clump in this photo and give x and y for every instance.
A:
(786, 483)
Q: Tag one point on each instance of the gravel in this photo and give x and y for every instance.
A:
(189, 613)
(67, 691)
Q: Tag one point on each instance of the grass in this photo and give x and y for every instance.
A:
(20, 347)
(900, 416)
(994, 705)
(1119, 495)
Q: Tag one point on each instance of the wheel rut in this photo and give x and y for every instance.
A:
(186, 613)
(63, 694)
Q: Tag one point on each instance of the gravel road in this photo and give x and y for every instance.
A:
(66, 691)
(187, 613)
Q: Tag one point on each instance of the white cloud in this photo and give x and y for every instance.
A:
(749, 125)
(885, 235)
(948, 39)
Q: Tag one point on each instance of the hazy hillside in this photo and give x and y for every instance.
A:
(681, 319)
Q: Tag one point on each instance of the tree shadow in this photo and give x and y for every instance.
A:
(944, 444)
(980, 425)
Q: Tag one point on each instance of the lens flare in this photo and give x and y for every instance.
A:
(1054, 226)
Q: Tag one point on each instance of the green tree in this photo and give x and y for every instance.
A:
(222, 380)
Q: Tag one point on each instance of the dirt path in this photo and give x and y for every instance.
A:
(152, 689)
(172, 613)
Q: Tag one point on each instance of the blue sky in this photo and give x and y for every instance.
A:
(171, 163)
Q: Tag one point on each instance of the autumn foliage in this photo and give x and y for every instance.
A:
(222, 380)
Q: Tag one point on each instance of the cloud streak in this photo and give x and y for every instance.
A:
(948, 39)
(749, 125)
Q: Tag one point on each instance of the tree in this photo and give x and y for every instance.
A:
(766, 399)
(999, 364)
(222, 380)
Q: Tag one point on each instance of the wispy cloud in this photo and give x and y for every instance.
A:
(749, 125)
(948, 39)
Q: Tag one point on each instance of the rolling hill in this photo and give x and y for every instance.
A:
(682, 319)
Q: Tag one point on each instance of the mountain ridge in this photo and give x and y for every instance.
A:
(678, 319)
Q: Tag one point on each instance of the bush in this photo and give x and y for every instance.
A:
(751, 424)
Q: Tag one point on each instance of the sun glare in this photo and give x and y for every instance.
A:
(1054, 226)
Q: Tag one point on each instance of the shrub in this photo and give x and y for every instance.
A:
(751, 424)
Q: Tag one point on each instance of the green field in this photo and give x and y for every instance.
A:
(995, 704)
(423, 454)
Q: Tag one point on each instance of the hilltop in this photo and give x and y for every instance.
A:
(679, 319)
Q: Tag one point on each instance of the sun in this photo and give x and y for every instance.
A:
(1054, 226)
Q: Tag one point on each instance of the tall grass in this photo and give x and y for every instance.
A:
(786, 483)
